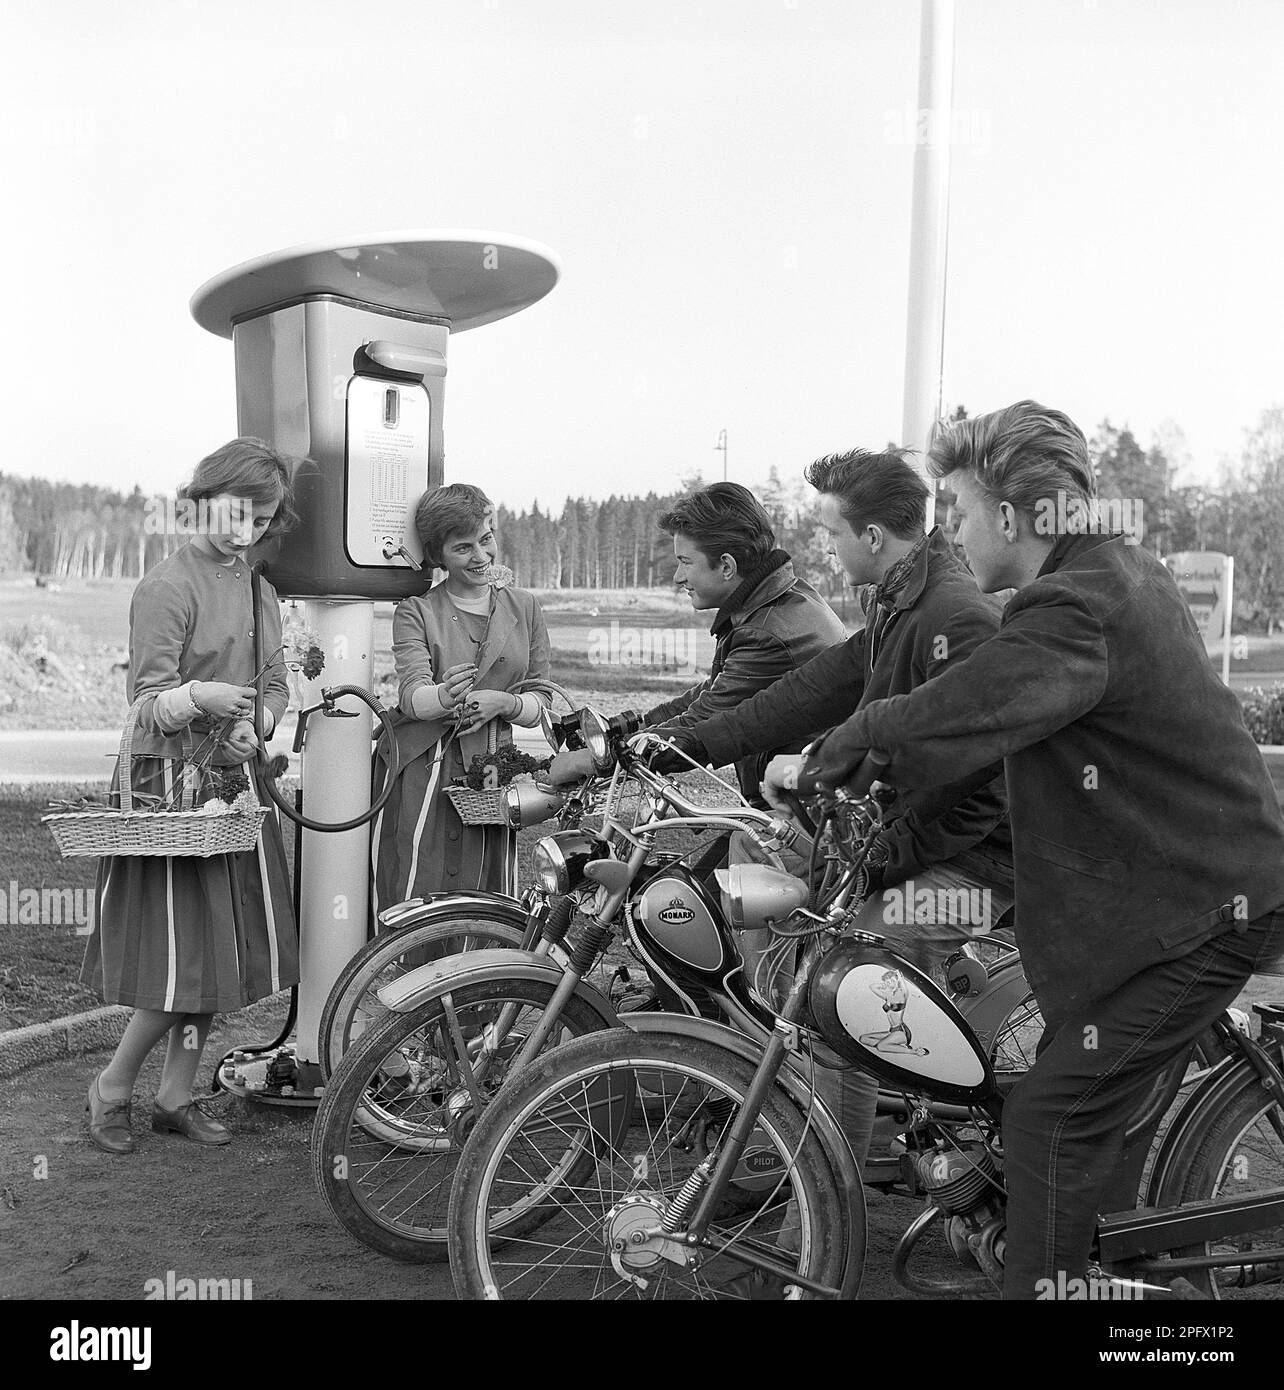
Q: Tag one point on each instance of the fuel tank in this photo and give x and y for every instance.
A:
(876, 1009)
(676, 912)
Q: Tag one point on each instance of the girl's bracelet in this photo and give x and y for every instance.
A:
(517, 708)
(191, 695)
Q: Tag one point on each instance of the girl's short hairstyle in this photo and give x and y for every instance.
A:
(452, 510)
(251, 469)
(873, 489)
(724, 519)
(1024, 454)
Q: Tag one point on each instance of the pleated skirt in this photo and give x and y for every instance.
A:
(420, 846)
(192, 935)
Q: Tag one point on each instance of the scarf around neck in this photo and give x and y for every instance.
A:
(896, 578)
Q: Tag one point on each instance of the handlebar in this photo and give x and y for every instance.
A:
(763, 825)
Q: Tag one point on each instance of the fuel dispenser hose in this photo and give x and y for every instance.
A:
(296, 815)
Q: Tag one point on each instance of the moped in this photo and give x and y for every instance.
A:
(573, 1185)
(404, 1097)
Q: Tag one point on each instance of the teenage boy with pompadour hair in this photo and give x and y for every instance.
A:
(1147, 837)
(924, 614)
(768, 620)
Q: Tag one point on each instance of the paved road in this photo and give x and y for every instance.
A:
(85, 755)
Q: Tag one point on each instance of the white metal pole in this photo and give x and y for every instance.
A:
(1229, 572)
(929, 225)
(334, 893)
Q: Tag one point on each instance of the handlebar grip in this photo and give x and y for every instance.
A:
(867, 773)
(799, 809)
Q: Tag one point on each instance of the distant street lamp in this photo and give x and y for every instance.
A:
(722, 444)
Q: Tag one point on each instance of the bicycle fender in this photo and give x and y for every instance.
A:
(720, 1035)
(415, 911)
(1193, 1117)
(417, 986)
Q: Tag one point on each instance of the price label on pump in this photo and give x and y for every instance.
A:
(388, 425)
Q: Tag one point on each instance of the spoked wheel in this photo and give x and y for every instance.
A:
(571, 1189)
(404, 1098)
(353, 1006)
(1242, 1152)
(1017, 1041)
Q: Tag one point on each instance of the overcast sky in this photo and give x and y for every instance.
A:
(726, 182)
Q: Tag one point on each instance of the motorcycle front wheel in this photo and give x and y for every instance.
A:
(353, 1008)
(603, 1186)
(402, 1100)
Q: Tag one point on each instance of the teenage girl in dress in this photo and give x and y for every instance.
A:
(459, 650)
(184, 938)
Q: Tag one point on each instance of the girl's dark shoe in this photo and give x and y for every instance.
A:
(109, 1122)
(190, 1122)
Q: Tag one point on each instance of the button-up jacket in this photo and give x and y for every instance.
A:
(1144, 820)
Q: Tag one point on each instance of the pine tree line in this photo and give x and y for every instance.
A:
(82, 531)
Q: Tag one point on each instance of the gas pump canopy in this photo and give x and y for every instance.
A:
(466, 278)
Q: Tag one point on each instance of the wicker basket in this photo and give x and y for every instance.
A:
(479, 808)
(185, 832)
(487, 807)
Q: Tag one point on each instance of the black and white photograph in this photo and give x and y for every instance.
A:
(642, 658)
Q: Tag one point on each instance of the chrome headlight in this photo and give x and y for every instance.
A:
(755, 895)
(527, 804)
(559, 860)
(594, 731)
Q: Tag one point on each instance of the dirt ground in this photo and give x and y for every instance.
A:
(77, 1224)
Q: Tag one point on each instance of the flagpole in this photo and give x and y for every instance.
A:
(929, 224)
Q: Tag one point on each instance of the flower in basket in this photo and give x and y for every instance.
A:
(490, 770)
(231, 793)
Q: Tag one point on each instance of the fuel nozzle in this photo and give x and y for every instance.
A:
(390, 552)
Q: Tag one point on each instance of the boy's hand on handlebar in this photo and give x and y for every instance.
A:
(780, 784)
(834, 762)
(570, 766)
(669, 761)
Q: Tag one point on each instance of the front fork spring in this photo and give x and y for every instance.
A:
(688, 1194)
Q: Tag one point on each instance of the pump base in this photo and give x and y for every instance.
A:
(272, 1078)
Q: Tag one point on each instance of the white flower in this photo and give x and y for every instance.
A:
(500, 576)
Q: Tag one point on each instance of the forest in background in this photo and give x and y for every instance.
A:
(83, 531)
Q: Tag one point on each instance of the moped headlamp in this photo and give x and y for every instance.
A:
(755, 895)
(595, 733)
(525, 803)
(559, 860)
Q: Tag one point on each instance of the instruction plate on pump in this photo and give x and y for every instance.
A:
(388, 428)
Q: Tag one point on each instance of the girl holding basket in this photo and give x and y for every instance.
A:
(459, 651)
(183, 938)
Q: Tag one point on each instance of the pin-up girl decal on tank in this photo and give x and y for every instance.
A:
(892, 990)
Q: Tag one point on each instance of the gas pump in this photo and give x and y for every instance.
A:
(340, 351)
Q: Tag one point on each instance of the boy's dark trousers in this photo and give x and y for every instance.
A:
(1065, 1121)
